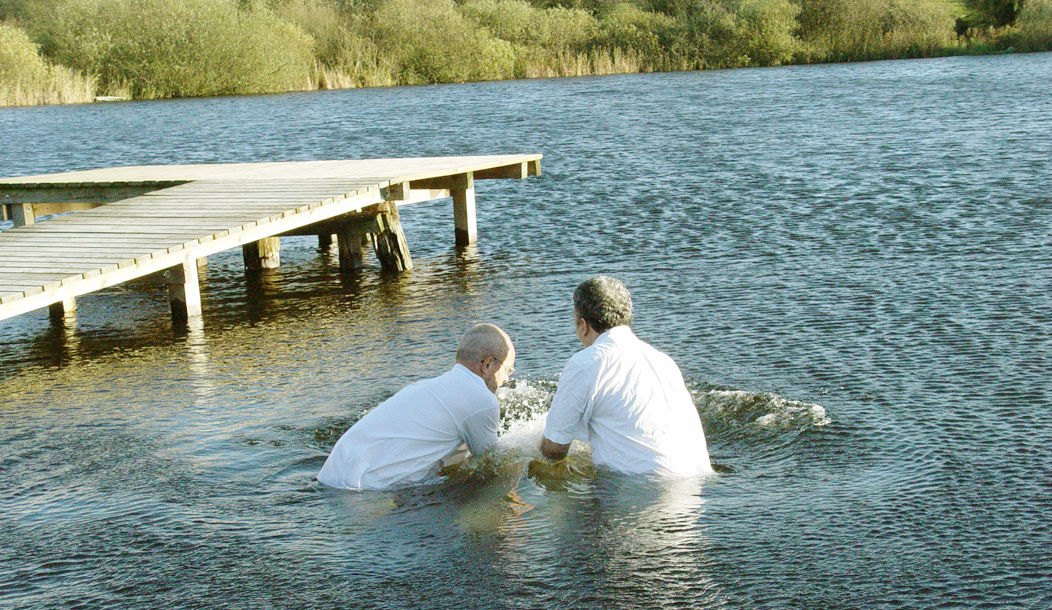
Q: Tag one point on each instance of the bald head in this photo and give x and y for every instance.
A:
(483, 341)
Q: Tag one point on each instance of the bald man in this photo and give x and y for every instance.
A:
(430, 424)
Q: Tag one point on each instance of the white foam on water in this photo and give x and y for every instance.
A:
(523, 437)
(525, 407)
(765, 410)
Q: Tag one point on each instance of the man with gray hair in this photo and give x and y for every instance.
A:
(430, 424)
(622, 396)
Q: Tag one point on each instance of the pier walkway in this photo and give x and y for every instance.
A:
(136, 221)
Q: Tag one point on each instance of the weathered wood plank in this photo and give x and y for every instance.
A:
(40, 276)
(63, 249)
(50, 261)
(51, 267)
(90, 241)
(12, 286)
(167, 228)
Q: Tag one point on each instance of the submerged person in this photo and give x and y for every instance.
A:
(625, 398)
(429, 424)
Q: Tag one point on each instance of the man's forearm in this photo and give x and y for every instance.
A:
(552, 450)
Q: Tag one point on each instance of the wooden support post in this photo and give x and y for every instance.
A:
(350, 242)
(58, 311)
(262, 254)
(325, 241)
(390, 244)
(22, 214)
(464, 209)
(184, 291)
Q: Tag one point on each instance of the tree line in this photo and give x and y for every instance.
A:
(54, 51)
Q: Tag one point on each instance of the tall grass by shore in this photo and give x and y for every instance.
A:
(26, 79)
(55, 51)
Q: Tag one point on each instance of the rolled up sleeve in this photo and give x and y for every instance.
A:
(568, 416)
(479, 430)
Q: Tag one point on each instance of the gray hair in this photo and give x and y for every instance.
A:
(483, 341)
(603, 302)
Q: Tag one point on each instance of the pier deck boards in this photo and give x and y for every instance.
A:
(135, 221)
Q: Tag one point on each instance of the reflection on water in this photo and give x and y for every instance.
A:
(849, 263)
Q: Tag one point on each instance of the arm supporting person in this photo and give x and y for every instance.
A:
(566, 416)
(553, 450)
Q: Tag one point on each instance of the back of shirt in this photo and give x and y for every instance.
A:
(404, 440)
(628, 400)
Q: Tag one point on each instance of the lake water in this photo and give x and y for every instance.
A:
(850, 263)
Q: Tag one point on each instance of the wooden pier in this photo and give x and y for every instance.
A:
(136, 221)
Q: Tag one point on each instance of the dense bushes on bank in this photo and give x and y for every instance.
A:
(175, 48)
(1033, 27)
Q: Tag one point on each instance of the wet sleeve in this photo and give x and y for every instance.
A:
(568, 417)
(479, 430)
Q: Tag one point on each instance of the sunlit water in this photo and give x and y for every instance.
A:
(851, 264)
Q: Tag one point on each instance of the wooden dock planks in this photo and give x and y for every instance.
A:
(152, 218)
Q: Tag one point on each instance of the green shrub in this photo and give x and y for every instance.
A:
(596, 8)
(540, 38)
(433, 43)
(654, 38)
(27, 10)
(919, 28)
(556, 29)
(1033, 27)
(995, 13)
(179, 48)
(838, 30)
(346, 55)
(736, 33)
(321, 21)
(765, 31)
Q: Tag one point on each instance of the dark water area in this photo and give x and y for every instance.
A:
(850, 263)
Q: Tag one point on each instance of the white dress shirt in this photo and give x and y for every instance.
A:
(411, 435)
(629, 402)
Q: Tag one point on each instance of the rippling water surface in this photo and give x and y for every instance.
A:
(850, 263)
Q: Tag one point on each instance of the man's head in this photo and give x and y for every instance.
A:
(488, 352)
(603, 303)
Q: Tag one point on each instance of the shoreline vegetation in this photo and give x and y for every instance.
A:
(73, 51)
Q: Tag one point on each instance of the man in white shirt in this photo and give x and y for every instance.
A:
(622, 396)
(429, 424)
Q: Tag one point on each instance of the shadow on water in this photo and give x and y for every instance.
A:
(135, 316)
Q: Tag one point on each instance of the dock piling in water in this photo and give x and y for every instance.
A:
(184, 290)
(262, 254)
